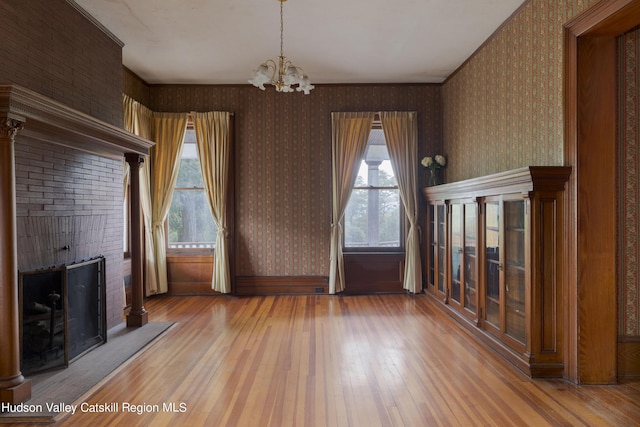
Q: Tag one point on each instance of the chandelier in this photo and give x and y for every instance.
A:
(282, 74)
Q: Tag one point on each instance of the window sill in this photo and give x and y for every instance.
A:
(189, 252)
(372, 252)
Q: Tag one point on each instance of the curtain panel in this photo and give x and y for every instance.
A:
(138, 120)
(401, 133)
(168, 134)
(350, 132)
(214, 151)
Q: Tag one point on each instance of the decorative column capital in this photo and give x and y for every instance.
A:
(134, 159)
(9, 127)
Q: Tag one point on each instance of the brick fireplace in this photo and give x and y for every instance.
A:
(61, 186)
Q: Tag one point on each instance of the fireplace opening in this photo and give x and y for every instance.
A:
(62, 314)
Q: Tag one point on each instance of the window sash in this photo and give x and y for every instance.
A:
(202, 225)
(361, 246)
(378, 157)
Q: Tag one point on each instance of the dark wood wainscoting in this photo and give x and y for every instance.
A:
(190, 275)
(628, 357)
(368, 273)
(281, 285)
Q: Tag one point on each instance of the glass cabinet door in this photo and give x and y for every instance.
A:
(456, 251)
(462, 252)
(441, 227)
(514, 219)
(492, 266)
(470, 269)
(432, 246)
(437, 249)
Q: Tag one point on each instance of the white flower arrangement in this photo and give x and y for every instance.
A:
(433, 163)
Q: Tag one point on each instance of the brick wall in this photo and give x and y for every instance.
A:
(70, 199)
(51, 48)
(66, 197)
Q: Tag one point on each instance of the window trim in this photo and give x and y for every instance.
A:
(186, 251)
(377, 124)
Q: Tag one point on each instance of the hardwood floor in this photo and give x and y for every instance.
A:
(319, 360)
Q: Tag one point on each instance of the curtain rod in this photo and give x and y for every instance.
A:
(231, 113)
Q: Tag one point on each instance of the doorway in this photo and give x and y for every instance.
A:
(590, 147)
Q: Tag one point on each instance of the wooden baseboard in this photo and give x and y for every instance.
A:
(191, 288)
(281, 285)
(628, 357)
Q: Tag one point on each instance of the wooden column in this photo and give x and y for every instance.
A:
(137, 316)
(14, 388)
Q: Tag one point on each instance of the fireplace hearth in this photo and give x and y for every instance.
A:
(62, 314)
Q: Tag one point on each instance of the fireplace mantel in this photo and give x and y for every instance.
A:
(51, 121)
(30, 115)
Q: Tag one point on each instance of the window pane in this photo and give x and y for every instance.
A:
(377, 175)
(190, 222)
(189, 175)
(372, 219)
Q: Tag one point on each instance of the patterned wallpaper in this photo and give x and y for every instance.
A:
(504, 109)
(283, 162)
(629, 184)
(134, 86)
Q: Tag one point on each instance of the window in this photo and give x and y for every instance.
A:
(190, 224)
(372, 217)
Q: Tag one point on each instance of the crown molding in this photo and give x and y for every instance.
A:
(95, 22)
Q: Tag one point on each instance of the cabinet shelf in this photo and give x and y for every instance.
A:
(516, 265)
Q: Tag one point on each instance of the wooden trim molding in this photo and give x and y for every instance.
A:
(522, 180)
(590, 318)
(51, 121)
(281, 285)
(628, 357)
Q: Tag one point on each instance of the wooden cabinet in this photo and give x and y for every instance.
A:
(495, 262)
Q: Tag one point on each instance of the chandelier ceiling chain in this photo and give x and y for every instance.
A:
(281, 74)
(281, 27)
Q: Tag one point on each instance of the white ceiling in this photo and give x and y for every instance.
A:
(334, 41)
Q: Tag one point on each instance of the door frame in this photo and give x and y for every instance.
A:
(590, 93)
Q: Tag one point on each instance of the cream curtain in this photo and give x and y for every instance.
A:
(401, 133)
(138, 120)
(350, 132)
(168, 131)
(214, 150)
